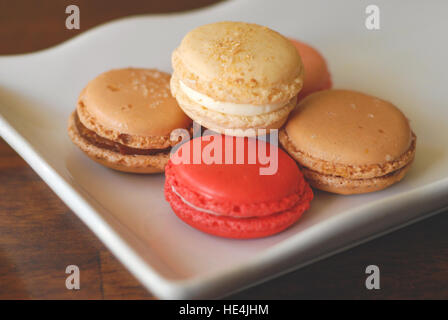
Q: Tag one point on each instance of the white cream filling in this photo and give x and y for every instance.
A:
(192, 205)
(196, 207)
(240, 109)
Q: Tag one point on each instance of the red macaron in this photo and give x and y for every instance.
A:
(231, 190)
(317, 75)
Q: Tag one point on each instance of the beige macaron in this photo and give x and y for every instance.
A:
(124, 119)
(348, 142)
(236, 78)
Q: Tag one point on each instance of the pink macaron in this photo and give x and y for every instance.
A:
(317, 75)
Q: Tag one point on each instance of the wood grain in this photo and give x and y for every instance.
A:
(40, 236)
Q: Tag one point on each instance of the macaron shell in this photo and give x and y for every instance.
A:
(349, 127)
(317, 76)
(240, 63)
(239, 183)
(230, 124)
(114, 160)
(132, 141)
(365, 171)
(134, 102)
(228, 207)
(238, 228)
(346, 186)
(123, 168)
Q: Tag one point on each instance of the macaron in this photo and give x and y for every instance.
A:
(230, 198)
(348, 142)
(317, 76)
(236, 78)
(124, 119)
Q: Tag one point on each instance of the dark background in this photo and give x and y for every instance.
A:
(40, 236)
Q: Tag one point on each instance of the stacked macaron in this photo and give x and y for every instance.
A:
(124, 119)
(234, 200)
(348, 142)
(236, 78)
(243, 80)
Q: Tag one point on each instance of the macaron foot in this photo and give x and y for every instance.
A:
(347, 186)
(131, 163)
(237, 227)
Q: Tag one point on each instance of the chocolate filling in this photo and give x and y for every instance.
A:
(104, 143)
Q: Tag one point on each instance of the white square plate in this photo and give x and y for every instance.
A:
(404, 62)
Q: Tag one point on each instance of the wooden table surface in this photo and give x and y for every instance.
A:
(40, 236)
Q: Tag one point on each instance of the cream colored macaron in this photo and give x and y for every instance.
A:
(124, 119)
(349, 142)
(236, 78)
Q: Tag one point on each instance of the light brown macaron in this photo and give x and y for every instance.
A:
(348, 142)
(236, 77)
(124, 119)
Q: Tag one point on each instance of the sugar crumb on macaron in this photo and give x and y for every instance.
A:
(348, 142)
(232, 76)
(124, 119)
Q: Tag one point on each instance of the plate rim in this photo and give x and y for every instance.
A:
(149, 277)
